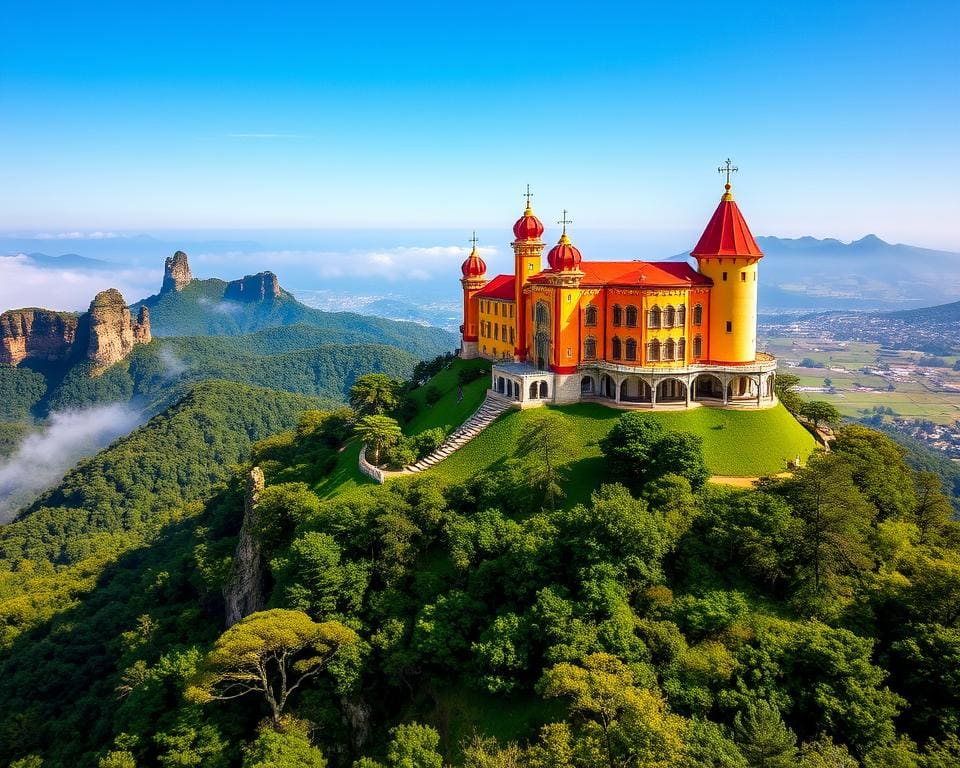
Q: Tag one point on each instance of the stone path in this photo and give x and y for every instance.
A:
(489, 410)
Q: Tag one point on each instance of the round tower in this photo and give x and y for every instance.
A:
(474, 271)
(728, 255)
(527, 251)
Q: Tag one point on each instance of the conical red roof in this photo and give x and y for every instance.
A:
(727, 233)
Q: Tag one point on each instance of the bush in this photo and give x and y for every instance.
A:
(426, 442)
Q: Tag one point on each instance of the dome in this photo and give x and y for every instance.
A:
(474, 266)
(564, 256)
(528, 226)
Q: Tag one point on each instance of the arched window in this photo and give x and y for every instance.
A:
(682, 315)
(653, 317)
(617, 348)
(697, 345)
(653, 350)
(590, 348)
(698, 315)
(631, 349)
(631, 316)
(617, 316)
(669, 349)
(533, 390)
(681, 348)
(590, 316)
(669, 316)
(543, 389)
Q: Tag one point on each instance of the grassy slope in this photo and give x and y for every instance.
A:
(447, 412)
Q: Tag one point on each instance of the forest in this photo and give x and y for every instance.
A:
(811, 621)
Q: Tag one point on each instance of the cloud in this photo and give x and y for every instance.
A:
(23, 284)
(45, 456)
(400, 263)
(173, 366)
(79, 236)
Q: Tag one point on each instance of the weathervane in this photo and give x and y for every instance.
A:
(528, 195)
(564, 220)
(727, 169)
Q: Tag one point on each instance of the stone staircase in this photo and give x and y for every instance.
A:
(489, 410)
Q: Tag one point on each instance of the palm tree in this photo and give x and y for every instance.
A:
(378, 432)
(375, 393)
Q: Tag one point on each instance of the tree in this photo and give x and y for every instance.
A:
(375, 393)
(638, 450)
(544, 443)
(763, 738)
(785, 388)
(933, 512)
(271, 653)
(681, 453)
(414, 746)
(378, 432)
(820, 412)
(285, 747)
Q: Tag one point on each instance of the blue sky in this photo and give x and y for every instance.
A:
(843, 117)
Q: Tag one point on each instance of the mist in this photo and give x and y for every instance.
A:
(44, 456)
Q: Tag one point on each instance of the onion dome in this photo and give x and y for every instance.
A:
(564, 256)
(528, 226)
(727, 233)
(474, 266)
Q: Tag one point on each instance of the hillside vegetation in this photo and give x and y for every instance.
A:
(470, 621)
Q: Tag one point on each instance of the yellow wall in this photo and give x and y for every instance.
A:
(733, 300)
(494, 316)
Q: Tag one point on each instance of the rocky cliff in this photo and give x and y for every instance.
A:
(243, 592)
(176, 273)
(263, 286)
(112, 330)
(40, 334)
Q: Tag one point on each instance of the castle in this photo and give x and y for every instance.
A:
(628, 333)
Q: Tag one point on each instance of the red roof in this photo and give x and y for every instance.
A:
(474, 266)
(501, 287)
(528, 226)
(633, 274)
(564, 255)
(727, 234)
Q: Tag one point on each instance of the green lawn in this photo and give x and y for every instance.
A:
(739, 443)
(345, 476)
(447, 412)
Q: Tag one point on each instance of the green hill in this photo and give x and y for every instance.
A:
(199, 309)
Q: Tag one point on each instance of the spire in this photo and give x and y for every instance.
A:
(528, 226)
(564, 256)
(564, 221)
(473, 266)
(727, 233)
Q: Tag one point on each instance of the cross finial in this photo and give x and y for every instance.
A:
(528, 194)
(564, 220)
(473, 240)
(728, 168)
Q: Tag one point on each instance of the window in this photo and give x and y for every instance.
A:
(631, 316)
(653, 317)
(681, 348)
(729, 326)
(503, 332)
(617, 348)
(631, 349)
(590, 348)
(669, 316)
(682, 315)
(669, 349)
(496, 332)
(653, 350)
(743, 277)
(590, 316)
(511, 311)
(617, 316)
(496, 308)
(698, 315)
(724, 275)
(512, 339)
(697, 346)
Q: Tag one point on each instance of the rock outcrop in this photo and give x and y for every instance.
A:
(262, 286)
(39, 334)
(176, 273)
(141, 328)
(243, 592)
(112, 330)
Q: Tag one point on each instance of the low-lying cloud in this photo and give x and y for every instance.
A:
(45, 455)
(23, 284)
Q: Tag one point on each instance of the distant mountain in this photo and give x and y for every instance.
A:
(869, 273)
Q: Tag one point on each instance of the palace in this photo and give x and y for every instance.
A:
(629, 333)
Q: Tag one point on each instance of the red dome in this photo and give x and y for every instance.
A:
(528, 226)
(474, 266)
(564, 256)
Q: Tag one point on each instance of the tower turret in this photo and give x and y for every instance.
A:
(474, 271)
(728, 255)
(527, 252)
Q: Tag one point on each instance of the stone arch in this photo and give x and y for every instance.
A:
(608, 387)
(544, 392)
(587, 385)
(706, 386)
(533, 390)
(671, 391)
(742, 388)
(633, 389)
